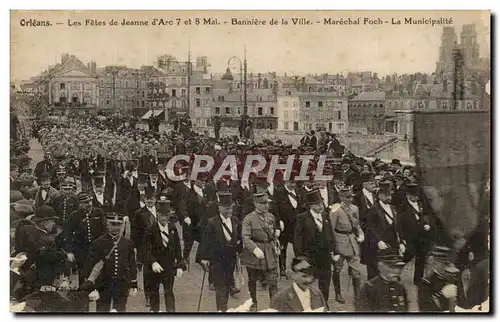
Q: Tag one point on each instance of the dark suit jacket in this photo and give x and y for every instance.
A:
(128, 196)
(143, 219)
(364, 206)
(310, 242)
(285, 210)
(412, 230)
(313, 142)
(286, 300)
(214, 246)
(170, 257)
(244, 201)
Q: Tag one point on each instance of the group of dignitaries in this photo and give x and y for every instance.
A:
(108, 214)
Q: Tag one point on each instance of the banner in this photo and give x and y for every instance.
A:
(452, 154)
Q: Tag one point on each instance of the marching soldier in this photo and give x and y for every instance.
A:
(382, 227)
(347, 235)
(385, 293)
(66, 203)
(313, 239)
(84, 226)
(220, 246)
(118, 276)
(162, 257)
(261, 246)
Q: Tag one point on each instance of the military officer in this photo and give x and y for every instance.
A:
(347, 235)
(118, 276)
(66, 203)
(84, 226)
(385, 293)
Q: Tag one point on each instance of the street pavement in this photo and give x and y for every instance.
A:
(187, 288)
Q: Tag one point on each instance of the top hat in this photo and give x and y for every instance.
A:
(99, 174)
(412, 189)
(390, 256)
(163, 204)
(44, 213)
(396, 162)
(385, 187)
(224, 199)
(150, 192)
(99, 181)
(367, 176)
(312, 197)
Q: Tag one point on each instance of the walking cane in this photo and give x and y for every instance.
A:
(201, 292)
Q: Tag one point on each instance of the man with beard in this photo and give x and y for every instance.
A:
(118, 275)
(313, 239)
(261, 246)
(162, 258)
(219, 248)
(301, 296)
(385, 293)
(84, 226)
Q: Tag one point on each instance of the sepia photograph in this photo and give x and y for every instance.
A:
(250, 161)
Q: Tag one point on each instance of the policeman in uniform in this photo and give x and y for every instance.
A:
(385, 293)
(260, 245)
(118, 276)
(66, 203)
(347, 235)
(84, 226)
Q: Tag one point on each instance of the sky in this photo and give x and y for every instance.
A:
(318, 48)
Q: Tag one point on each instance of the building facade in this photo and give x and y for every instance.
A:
(367, 113)
(323, 112)
(288, 108)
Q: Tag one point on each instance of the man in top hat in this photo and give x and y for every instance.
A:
(243, 198)
(437, 291)
(118, 276)
(384, 292)
(66, 203)
(347, 236)
(162, 258)
(416, 229)
(288, 205)
(84, 226)
(45, 193)
(220, 245)
(313, 239)
(260, 245)
(129, 194)
(100, 197)
(382, 228)
(301, 296)
(144, 218)
(399, 194)
(44, 166)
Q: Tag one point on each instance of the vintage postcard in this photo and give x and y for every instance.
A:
(250, 161)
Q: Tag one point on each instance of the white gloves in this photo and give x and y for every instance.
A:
(336, 258)
(277, 233)
(94, 295)
(471, 256)
(157, 267)
(402, 248)
(132, 292)
(258, 253)
(282, 225)
(187, 220)
(71, 257)
(449, 291)
(179, 272)
(361, 238)
(382, 245)
(427, 227)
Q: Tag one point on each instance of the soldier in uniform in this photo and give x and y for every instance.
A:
(347, 235)
(84, 226)
(118, 276)
(221, 243)
(66, 203)
(162, 257)
(385, 293)
(437, 291)
(313, 239)
(261, 246)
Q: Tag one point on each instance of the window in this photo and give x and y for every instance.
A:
(107, 102)
(183, 92)
(456, 105)
(198, 90)
(217, 110)
(308, 104)
(239, 110)
(271, 109)
(174, 104)
(207, 90)
(174, 93)
(294, 104)
(307, 116)
(183, 81)
(295, 114)
(444, 105)
(288, 93)
(469, 105)
(320, 104)
(221, 98)
(285, 104)
(228, 110)
(285, 125)
(339, 115)
(142, 103)
(340, 126)
(198, 102)
(62, 86)
(259, 111)
(286, 114)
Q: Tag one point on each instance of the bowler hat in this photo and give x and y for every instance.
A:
(44, 213)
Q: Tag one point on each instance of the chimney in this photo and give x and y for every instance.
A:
(303, 84)
(93, 67)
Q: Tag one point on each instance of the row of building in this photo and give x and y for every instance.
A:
(357, 102)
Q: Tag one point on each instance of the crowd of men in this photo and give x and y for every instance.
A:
(101, 205)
